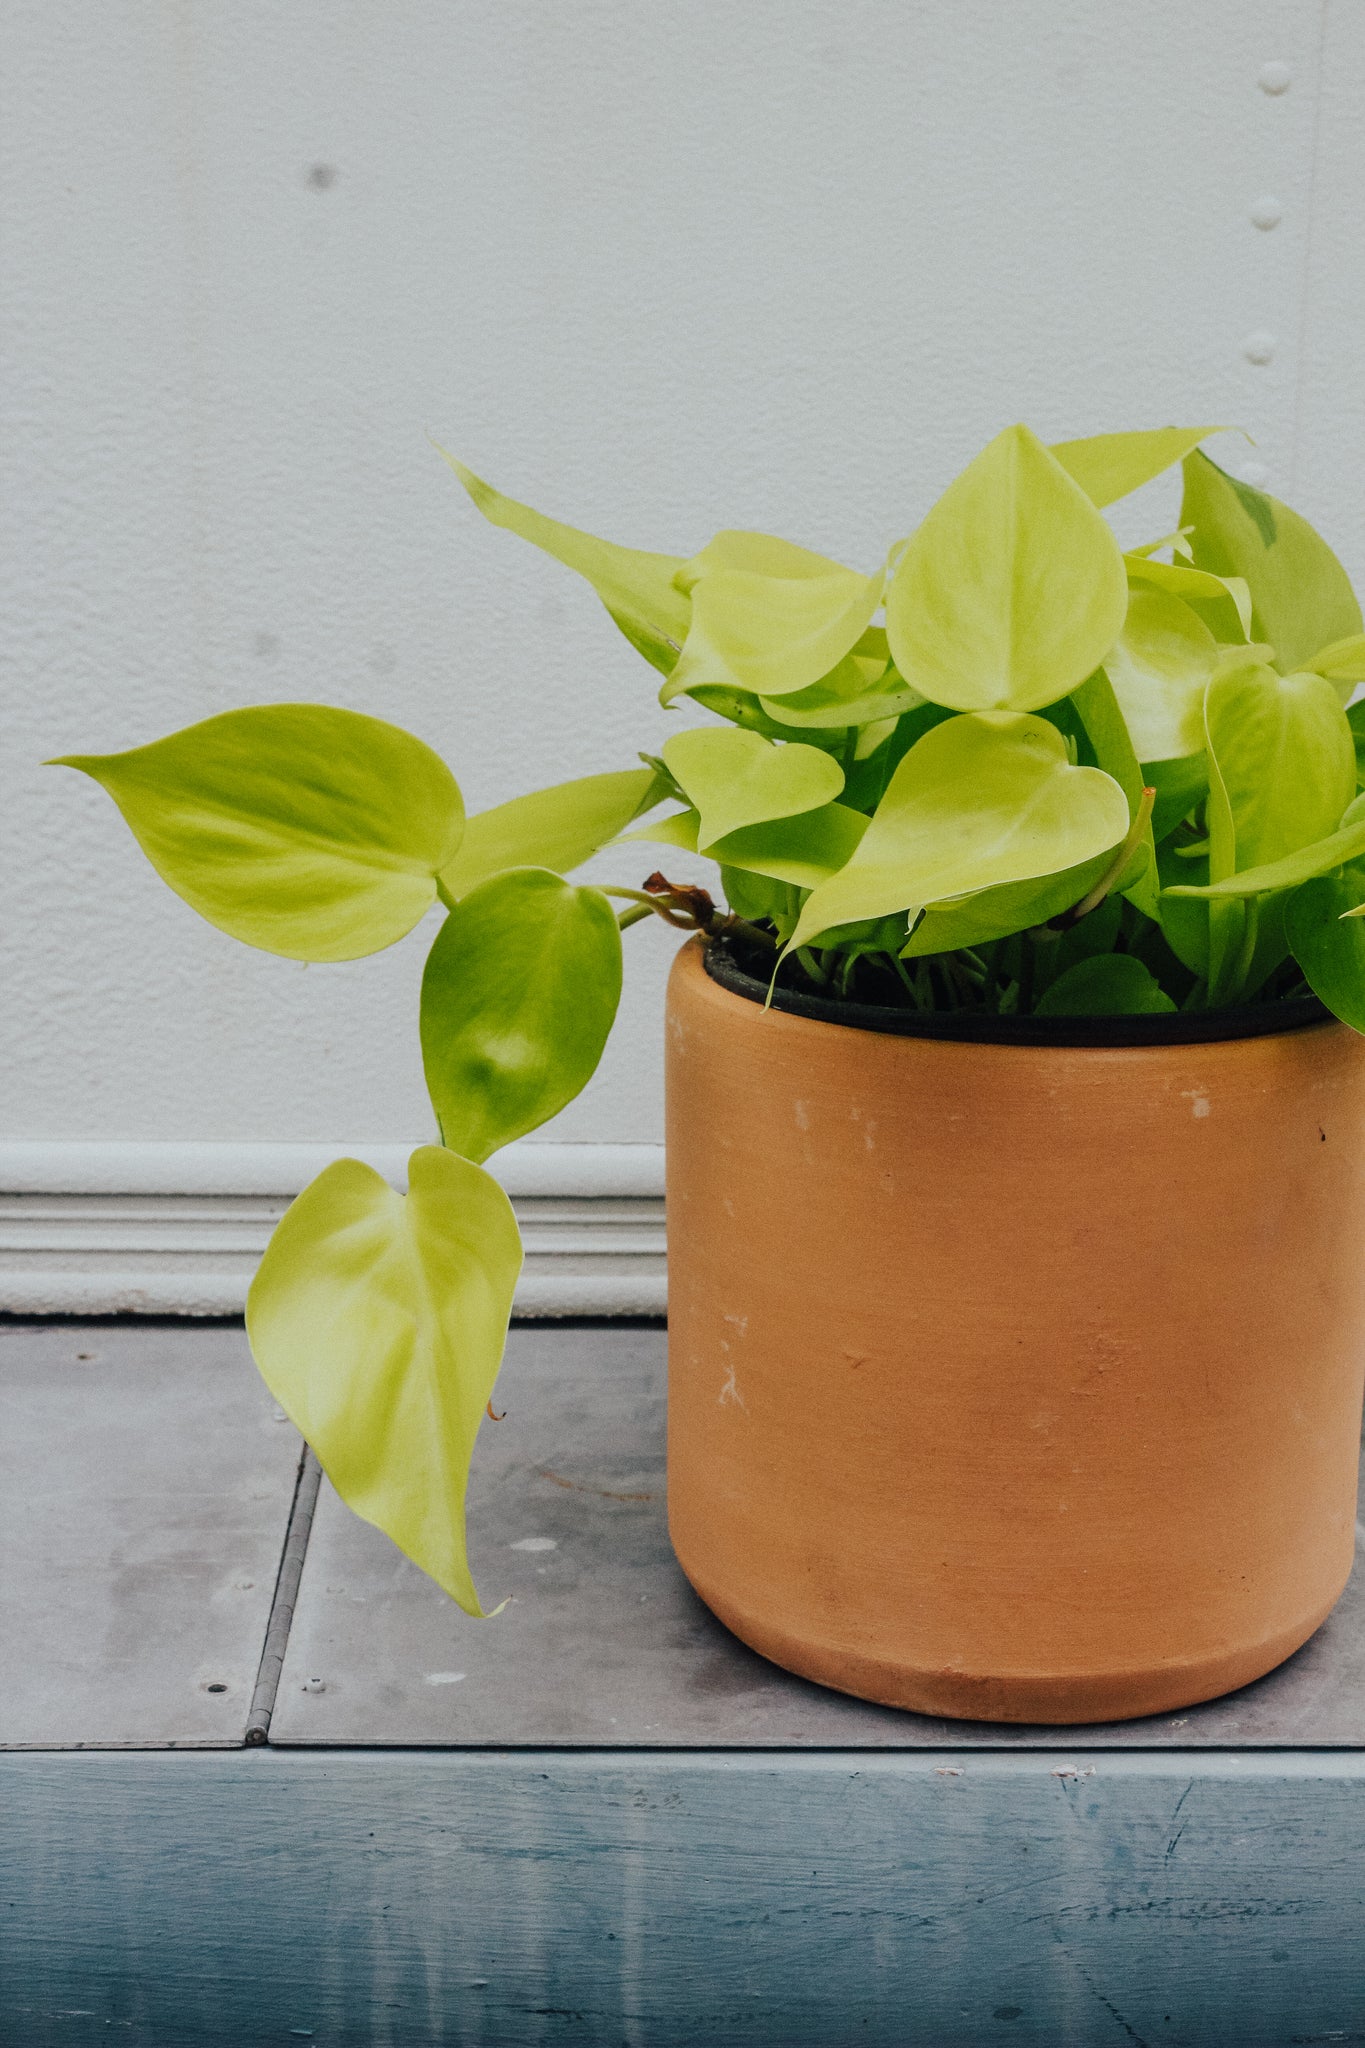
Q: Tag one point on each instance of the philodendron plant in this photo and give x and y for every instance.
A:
(1009, 769)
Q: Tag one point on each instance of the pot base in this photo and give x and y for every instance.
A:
(1006, 1382)
(1045, 1699)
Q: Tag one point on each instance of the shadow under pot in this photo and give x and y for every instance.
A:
(1012, 1382)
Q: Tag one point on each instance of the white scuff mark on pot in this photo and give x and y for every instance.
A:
(445, 1678)
(947, 1771)
(1198, 1101)
(801, 1110)
(730, 1391)
(534, 1543)
(870, 1135)
(1073, 1771)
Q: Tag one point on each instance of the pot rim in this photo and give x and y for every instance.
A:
(1249, 1020)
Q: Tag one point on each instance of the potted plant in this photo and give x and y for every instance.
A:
(1016, 1106)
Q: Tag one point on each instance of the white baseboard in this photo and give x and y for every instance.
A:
(177, 1229)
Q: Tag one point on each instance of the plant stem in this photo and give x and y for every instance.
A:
(1142, 817)
(1026, 966)
(904, 973)
(992, 981)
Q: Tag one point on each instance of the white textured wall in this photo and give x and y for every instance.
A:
(656, 268)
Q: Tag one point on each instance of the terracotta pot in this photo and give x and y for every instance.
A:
(1012, 1382)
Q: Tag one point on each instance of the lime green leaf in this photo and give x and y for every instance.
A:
(1012, 590)
(299, 829)
(1109, 466)
(1106, 985)
(1281, 772)
(1222, 602)
(740, 707)
(1320, 858)
(773, 634)
(738, 778)
(378, 1322)
(1300, 594)
(637, 588)
(1343, 663)
(1355, 718)
(518, 997)
(1326, 935)
(873, 736)
(753, 896)
(999, 913)
(805, 850)
(980, 800)
(826, 708)
(1159, 667)
(676, 828)
(1284, 751)
(1179, 786)
(556, 828)
(1100, 714)
(757, 554)
(1184, 920)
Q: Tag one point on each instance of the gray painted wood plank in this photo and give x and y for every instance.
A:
(405, 1900)
(145, 1486)
(605, 1643)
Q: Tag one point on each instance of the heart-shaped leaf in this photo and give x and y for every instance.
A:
(984, 799)
(1108, 466)
(737, 778)
(827, 707)
(1281, 772)
(378, 1322)
(637, 588)
(1285, 758)
(1106, 985)
(1179, 786)
(805, 850)
(998, 913)
(557, 828)
(774, 635)
(299, 829)
(1343, 663)
(1013, 589)
(1159, 668)
(1104, 724)
(1347, 844)
(1326, 934)
(758, 554)
(1301, 596)
(1222, 602)
(519, 995)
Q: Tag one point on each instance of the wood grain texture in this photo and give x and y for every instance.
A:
(390, 1900)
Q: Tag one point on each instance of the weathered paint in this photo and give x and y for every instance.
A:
(406, 1900)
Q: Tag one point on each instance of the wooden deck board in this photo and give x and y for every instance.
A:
(421, 1899)
(617, 1826)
